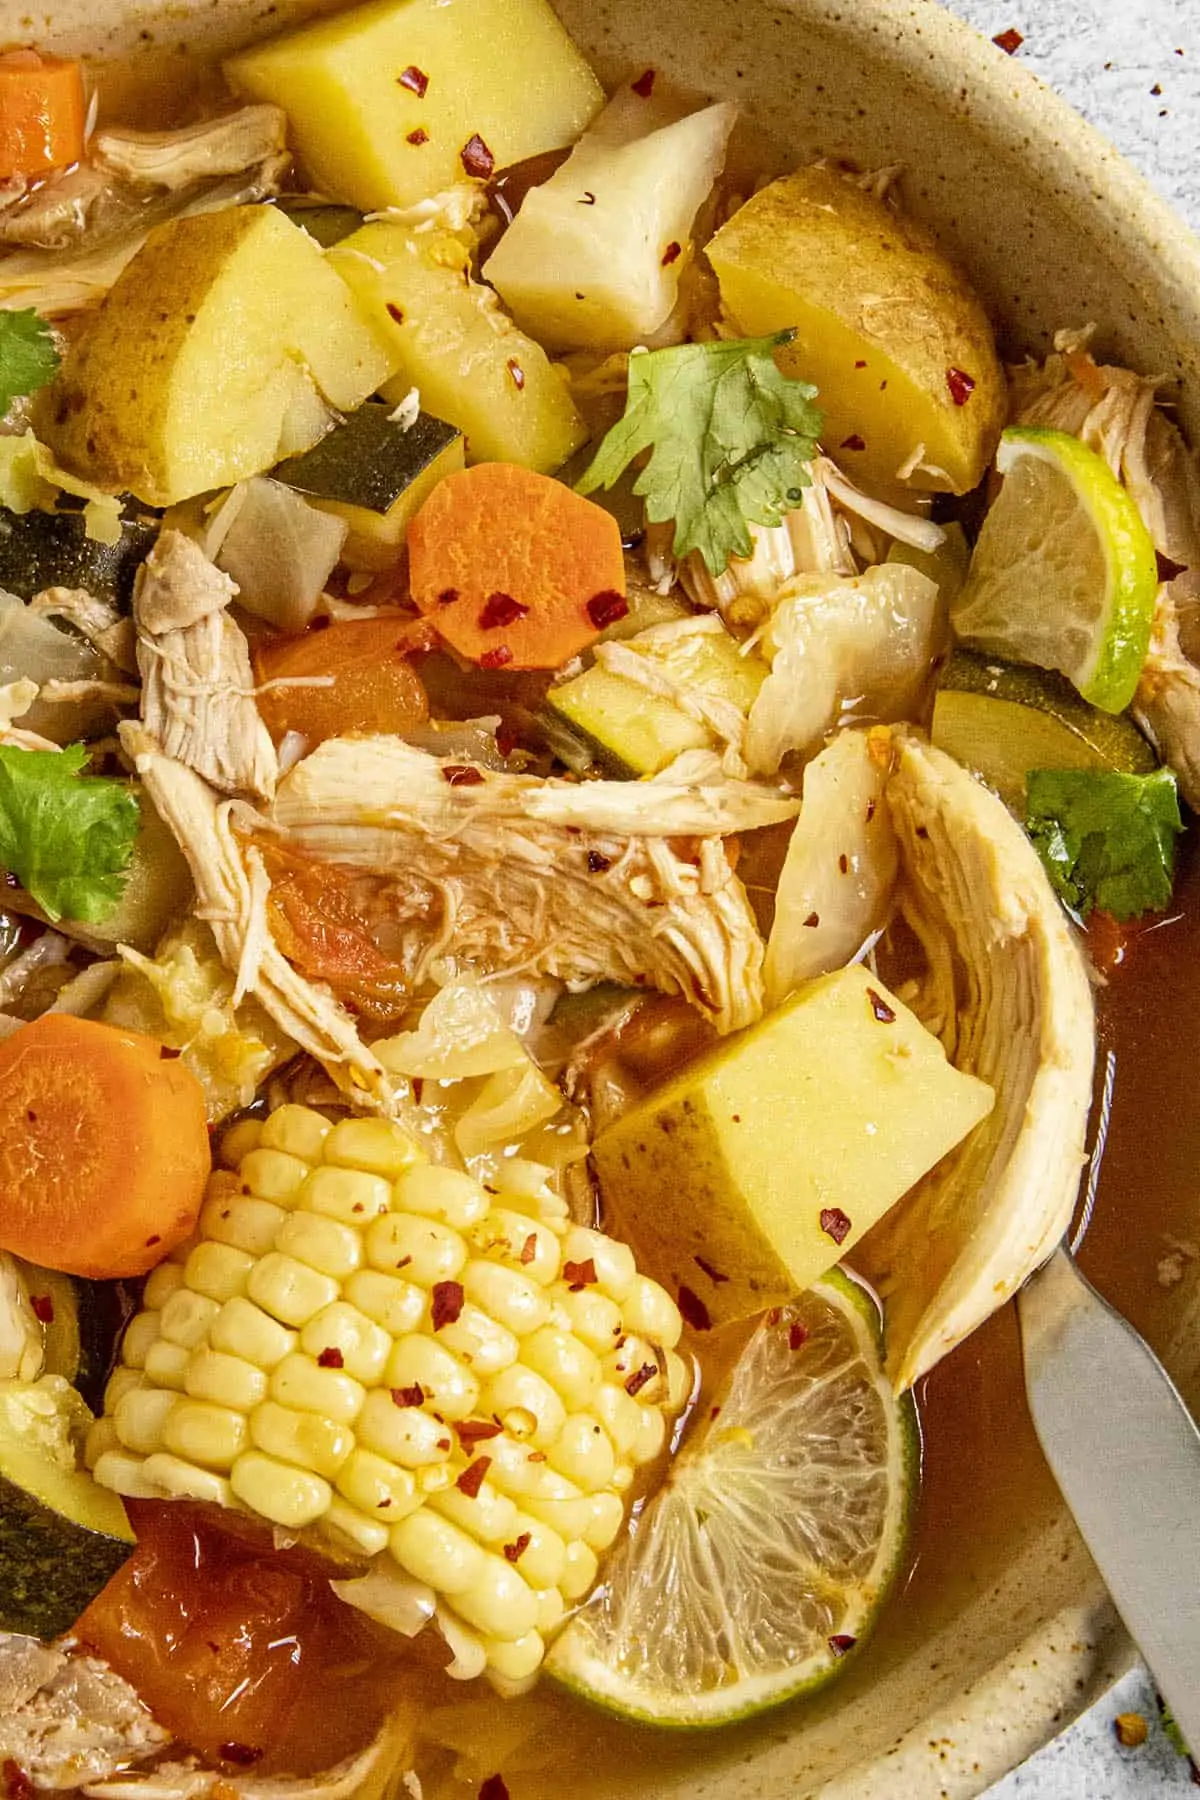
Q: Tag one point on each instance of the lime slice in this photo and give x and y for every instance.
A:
(1064, 572)
(1001, 720)
(766, 1555)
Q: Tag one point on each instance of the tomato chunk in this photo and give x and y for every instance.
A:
(371, 683)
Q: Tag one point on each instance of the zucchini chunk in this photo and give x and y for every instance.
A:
(324, 220)
(41, 550)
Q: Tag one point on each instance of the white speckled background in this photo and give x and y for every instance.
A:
(1132, 67)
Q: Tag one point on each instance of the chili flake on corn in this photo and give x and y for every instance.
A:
(364, 1345)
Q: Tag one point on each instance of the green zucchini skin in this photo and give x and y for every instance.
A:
(369, 460)
(325, 220)
(52, 549)
(51, 1567)
(105, 1309)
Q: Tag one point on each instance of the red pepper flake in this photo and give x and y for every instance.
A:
(842, 1642)
(17, 1784)
(643, 87)
(242, 1756)
(476, 1431)
(579, 1275)
(518, 378)
(461, 775)
(1167, 570)
(854, 442)
(418, 1088)
(506, 738)
(671, 254)
(418, 137)
(538, 1456)
(499, 610)
(471, 1479)
(409, 1396)
(774, 1316)
(714, 1412)
(598, 864)
(879, 1006)
(694, 1311)
(640, 1377)
(476, 158)
(1009, 41)
(331, 1359)
(393, 312)
(443, 1443)
(870, 811)
(797, 1335)
(835, 1223)
(529, 1248)
(515, 1551)
(961, 385)
(714, 1275)
(844, 863)
(43, 1308)
(446, 1303)
(813, 919)
(497, 658)
(861, 363)
(494, 1788)
(605, 608)
(415, 80)
(447, 597)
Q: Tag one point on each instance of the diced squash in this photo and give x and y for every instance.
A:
(227, 343)
(762, 1164)
(383, 100)
(887, 327)
(375, 473)
(468, 361)
(593, 258)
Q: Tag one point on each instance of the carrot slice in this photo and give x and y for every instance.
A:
(516, 570)
(103, 1148)
(42, 113)
(372, 683)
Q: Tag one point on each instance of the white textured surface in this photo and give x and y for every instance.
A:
(1132, 68)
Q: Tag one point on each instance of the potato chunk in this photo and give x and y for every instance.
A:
(760, 1165)
(898, 345)
(384, 100)
(226, 344)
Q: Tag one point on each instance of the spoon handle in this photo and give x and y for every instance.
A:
(1125, 1452)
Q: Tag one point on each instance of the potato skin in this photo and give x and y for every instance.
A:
(887, 327)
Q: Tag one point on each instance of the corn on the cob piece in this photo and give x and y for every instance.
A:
(362, 1345)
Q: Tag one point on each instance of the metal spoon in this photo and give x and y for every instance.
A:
(1125, 1452)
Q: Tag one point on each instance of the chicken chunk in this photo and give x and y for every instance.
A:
(66, 1719)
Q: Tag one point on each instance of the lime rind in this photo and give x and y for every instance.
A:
(768, 1539)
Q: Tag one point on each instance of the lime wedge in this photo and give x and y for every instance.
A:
(765, 1557)
(1064, 572)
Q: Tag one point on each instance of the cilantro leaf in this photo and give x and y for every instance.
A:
(28, 358)
(1105, 839)
(730, 441)
(67, 837)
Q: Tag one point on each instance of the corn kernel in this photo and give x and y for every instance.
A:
(579, 1572)
(377, 1487)
(681, 1379)
(620, 1415)
(213, 1436)
(622, 1478)
(484, 1346)
(345, 1523)
(289, 1290)
(245, 1330)
(550, 1610)
(649, 1310)
(444, 1194)
(361, 1345)
(300, 1382)
(376, 1145)
(247, 1224)
(273, 1175)
(518, 1660)
(125, 1475)
(239, 1140)
(506, 1295)
(424, 1250)
(570, 1515)
(520, 1469)
(607, 1517)
(103, 1439)
(431, 1549)
(142, 1332)
(583, 1452)
(567, 1364)
(122, 1381)
(286, 1496)
(161, 1283)
(297, 1130)
(433, 1478)
(631, 1357)
(303, 1438)
(332, 1249)
(543, 1558)
(225, 1380)
(652, 1434)
(519, 1242)
(526, 1405)
(592, 1316)
(396, 1305)
(498, 1601)
(447, 1386)
(402, 1433)
(186, 1319)
(217, 1271)
(615, 1267)
(490, 1517)
(184, 1481)
(351, 1196)
(167, 1364)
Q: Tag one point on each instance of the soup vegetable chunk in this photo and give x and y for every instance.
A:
(569, 737)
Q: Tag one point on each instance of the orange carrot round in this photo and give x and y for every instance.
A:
(103, 1148)
(43, 111)
(373, 685)
(516, 570)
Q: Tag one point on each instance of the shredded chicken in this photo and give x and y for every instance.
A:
(101, 622)
(21, 1349)
(66, 1719)
(198, 693)
(203, 152)
(368, 1775)
(16, 698)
